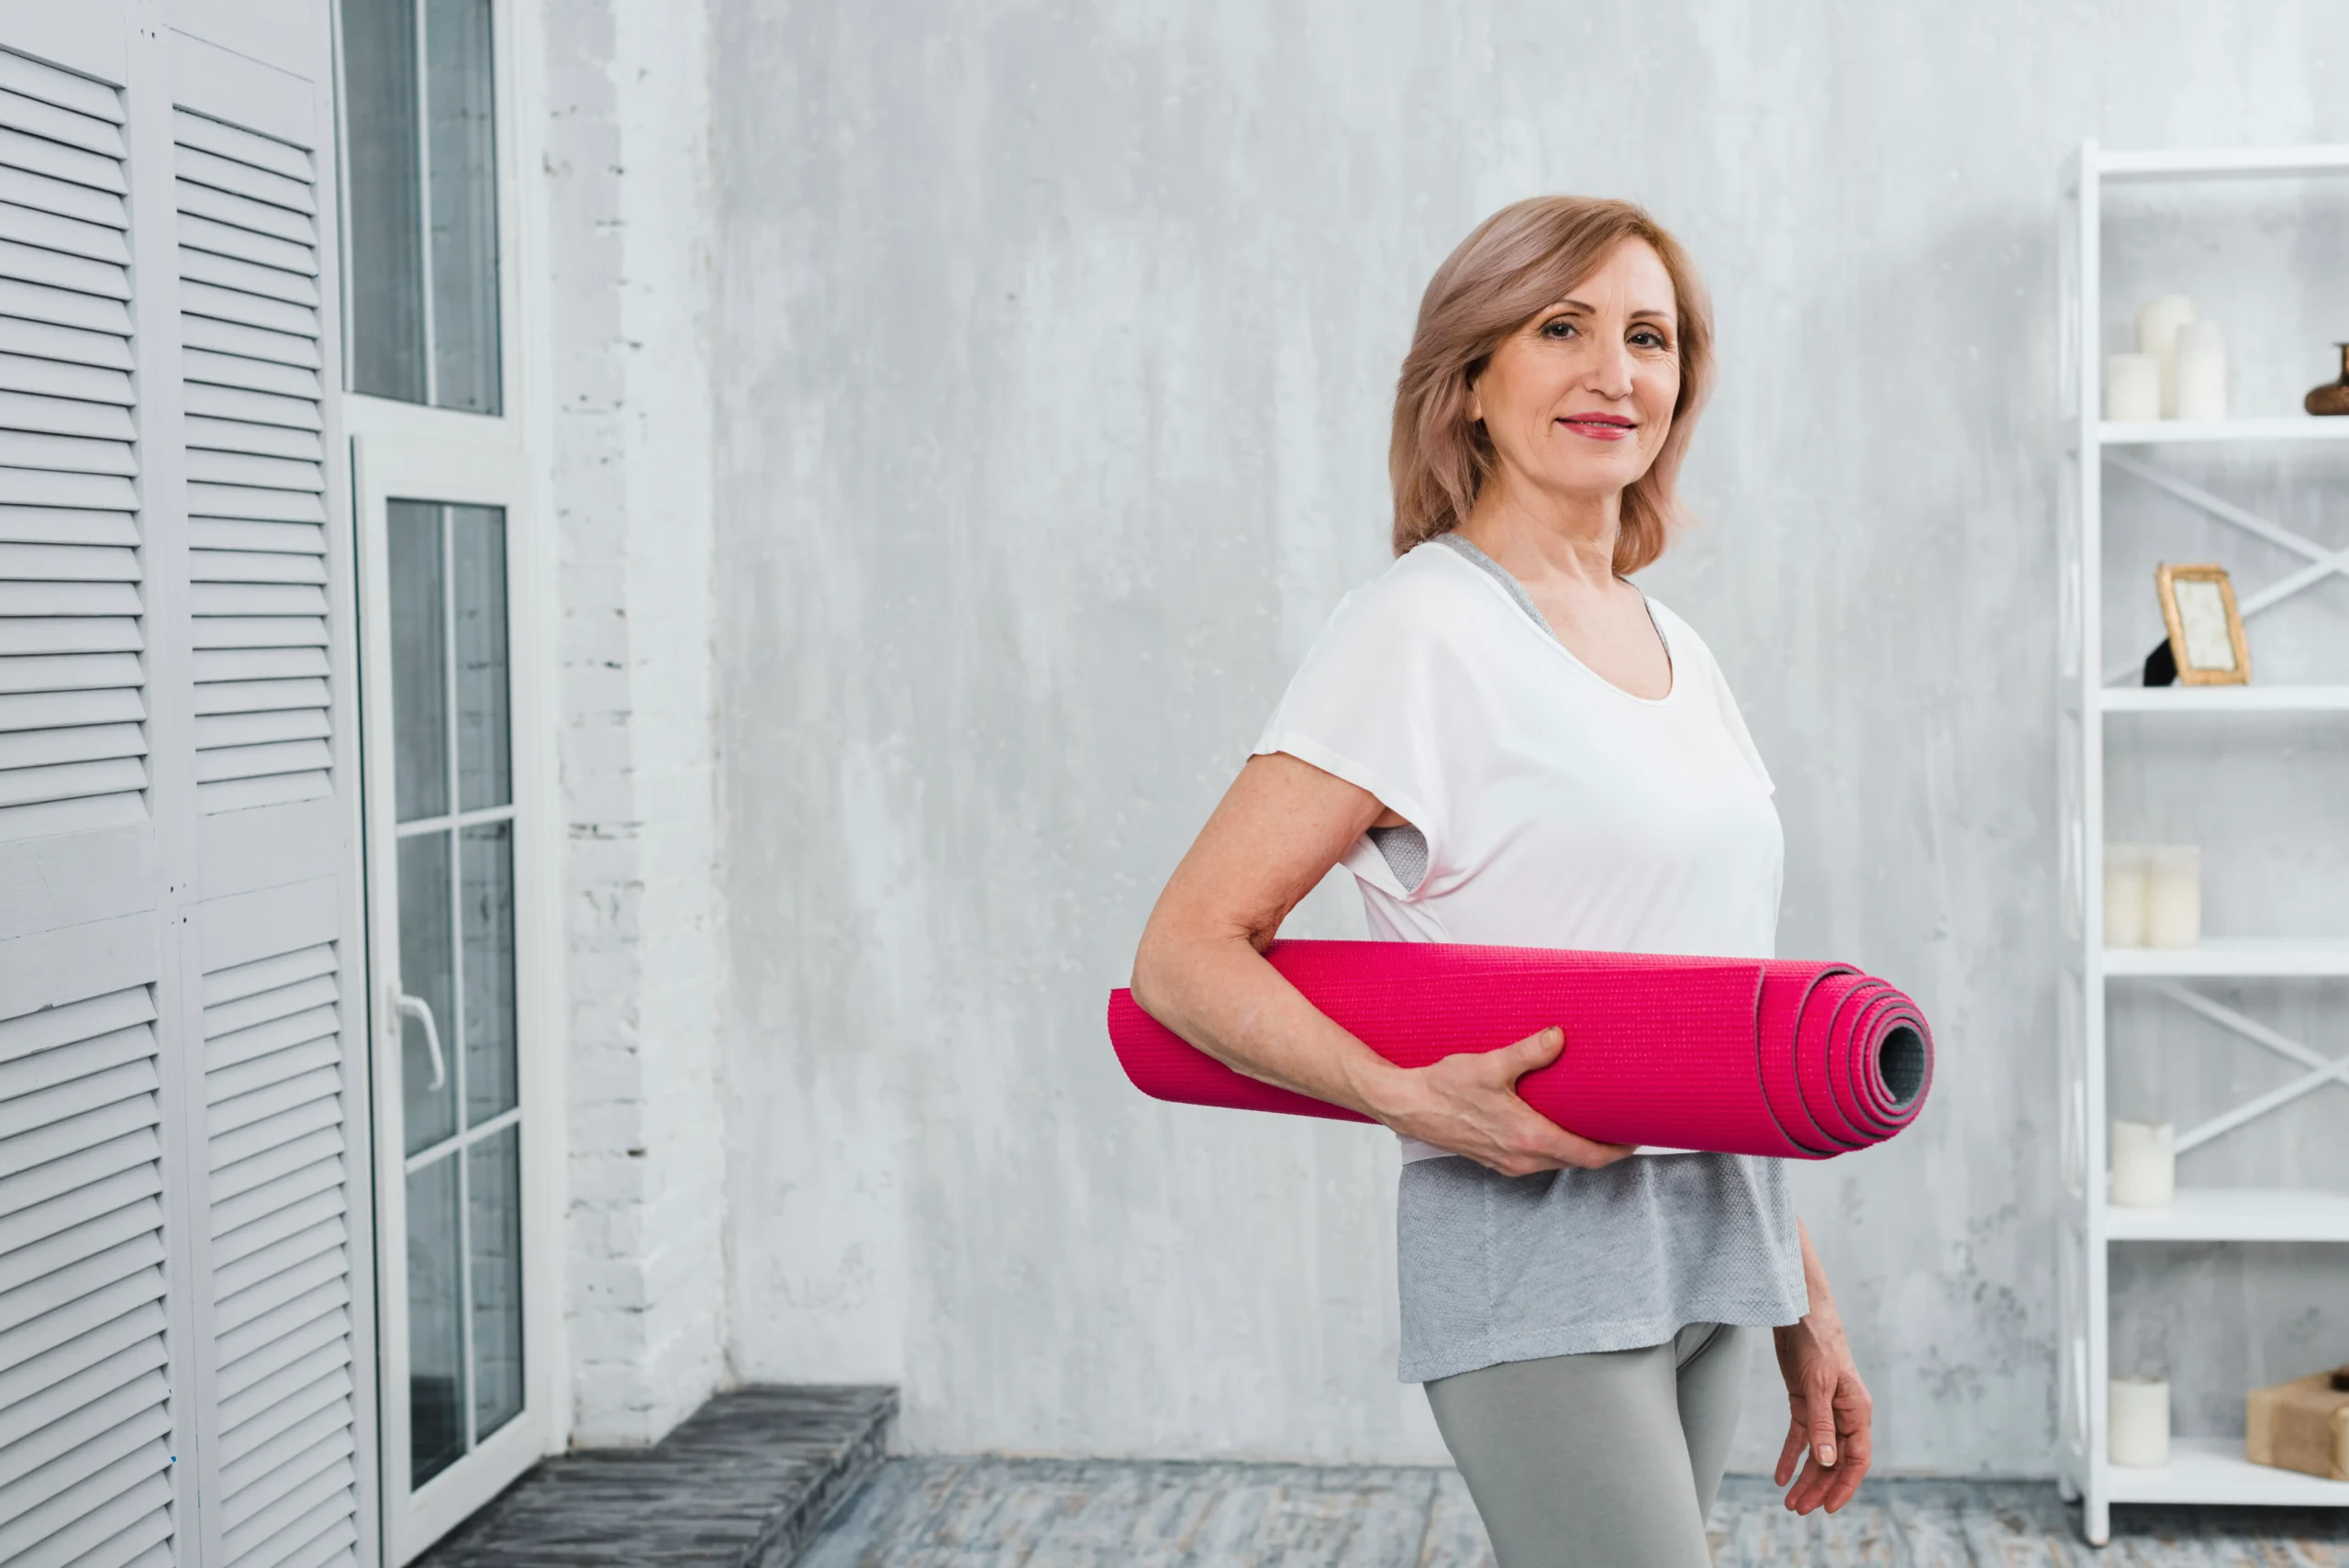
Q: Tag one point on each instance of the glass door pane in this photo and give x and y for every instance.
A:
(428, 1093)
(494, 1180)
(486, 926)
(462, 1131)
(384, 201)
(419, 105)
(460, 217)
(436, 1343)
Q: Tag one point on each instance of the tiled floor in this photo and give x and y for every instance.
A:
(998, 1513)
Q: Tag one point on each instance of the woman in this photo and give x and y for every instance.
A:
(1506, 742)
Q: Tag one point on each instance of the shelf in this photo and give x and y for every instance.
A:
(2165, 432)
(2240, 958)
(2213, 1470)
(2206, 163)
(2235, 1214)
(2223, 699)
(2268, 435)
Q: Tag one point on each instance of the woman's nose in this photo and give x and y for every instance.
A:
(1611, 371)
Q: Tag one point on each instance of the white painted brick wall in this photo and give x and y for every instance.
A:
(626, 173)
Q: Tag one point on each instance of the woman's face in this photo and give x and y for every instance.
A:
(1578, 400)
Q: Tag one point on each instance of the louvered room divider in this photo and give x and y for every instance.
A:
(184, 1329)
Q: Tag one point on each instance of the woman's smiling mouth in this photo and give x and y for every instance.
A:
(1598, 426)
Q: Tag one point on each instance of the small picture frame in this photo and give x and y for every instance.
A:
(2205, 628)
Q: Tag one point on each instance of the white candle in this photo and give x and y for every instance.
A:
(2201, 370)
(2132, 388)
(2139, 1416)
(2173, 896)
(2124, 896)
(2144, 1164)
(2158, 323)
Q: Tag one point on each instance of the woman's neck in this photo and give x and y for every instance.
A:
(1539, 535)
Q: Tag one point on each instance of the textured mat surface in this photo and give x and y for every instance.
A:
(1737, 1056)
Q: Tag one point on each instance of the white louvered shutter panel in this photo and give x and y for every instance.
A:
(180, 1334)
(281, 1450)
(85, 1402)
(256, 482)
(87, 1470)
(280, 1433)
(71, 738)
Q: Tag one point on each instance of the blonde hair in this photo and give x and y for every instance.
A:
(1520, 259)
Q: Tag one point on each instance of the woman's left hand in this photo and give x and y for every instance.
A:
(1827, 1434)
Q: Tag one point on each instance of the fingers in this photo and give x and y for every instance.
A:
(1552, 1145)
(1539, 1144)
(1846, 1482)
(1823, 1486)
(1789, 1453)
(1819, 1390)
(1798, 1457)
(1810, 1489)
(1590, 1155)
(1477, 1092)
(1811, 1483)
(1535, 1051)
(1817, 1420)
(1855, 1416)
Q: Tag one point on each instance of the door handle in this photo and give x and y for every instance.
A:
(417, 1008)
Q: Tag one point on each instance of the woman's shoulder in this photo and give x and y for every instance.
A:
(1427, 592)
(1417, 623)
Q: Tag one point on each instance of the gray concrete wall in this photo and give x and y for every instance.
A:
(1052, 377)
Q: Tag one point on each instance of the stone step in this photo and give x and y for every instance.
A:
(747, 1480)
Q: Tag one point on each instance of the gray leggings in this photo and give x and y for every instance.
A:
(1610, 1459)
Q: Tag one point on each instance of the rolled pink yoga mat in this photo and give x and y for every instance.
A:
(1736, 1056)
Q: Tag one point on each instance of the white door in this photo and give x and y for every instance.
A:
(454, 857)
(454, 760)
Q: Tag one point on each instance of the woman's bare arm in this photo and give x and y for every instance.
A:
(1201, 972)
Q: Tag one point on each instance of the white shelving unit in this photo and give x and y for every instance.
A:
(2236, 1214)
(2212, 1470)
(2200, 1471)
(2171, 432)
(2223, 699)
(2222, 957)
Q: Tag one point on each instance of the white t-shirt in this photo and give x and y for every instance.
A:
(1558, 810)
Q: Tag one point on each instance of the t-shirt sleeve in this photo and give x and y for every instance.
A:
(1361, 707)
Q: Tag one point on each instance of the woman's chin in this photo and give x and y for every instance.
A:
(1595, 476)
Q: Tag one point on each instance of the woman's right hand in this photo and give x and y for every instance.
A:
(1468, 1104)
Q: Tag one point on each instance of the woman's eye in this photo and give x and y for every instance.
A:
(1558, 328)
(1647, 338)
